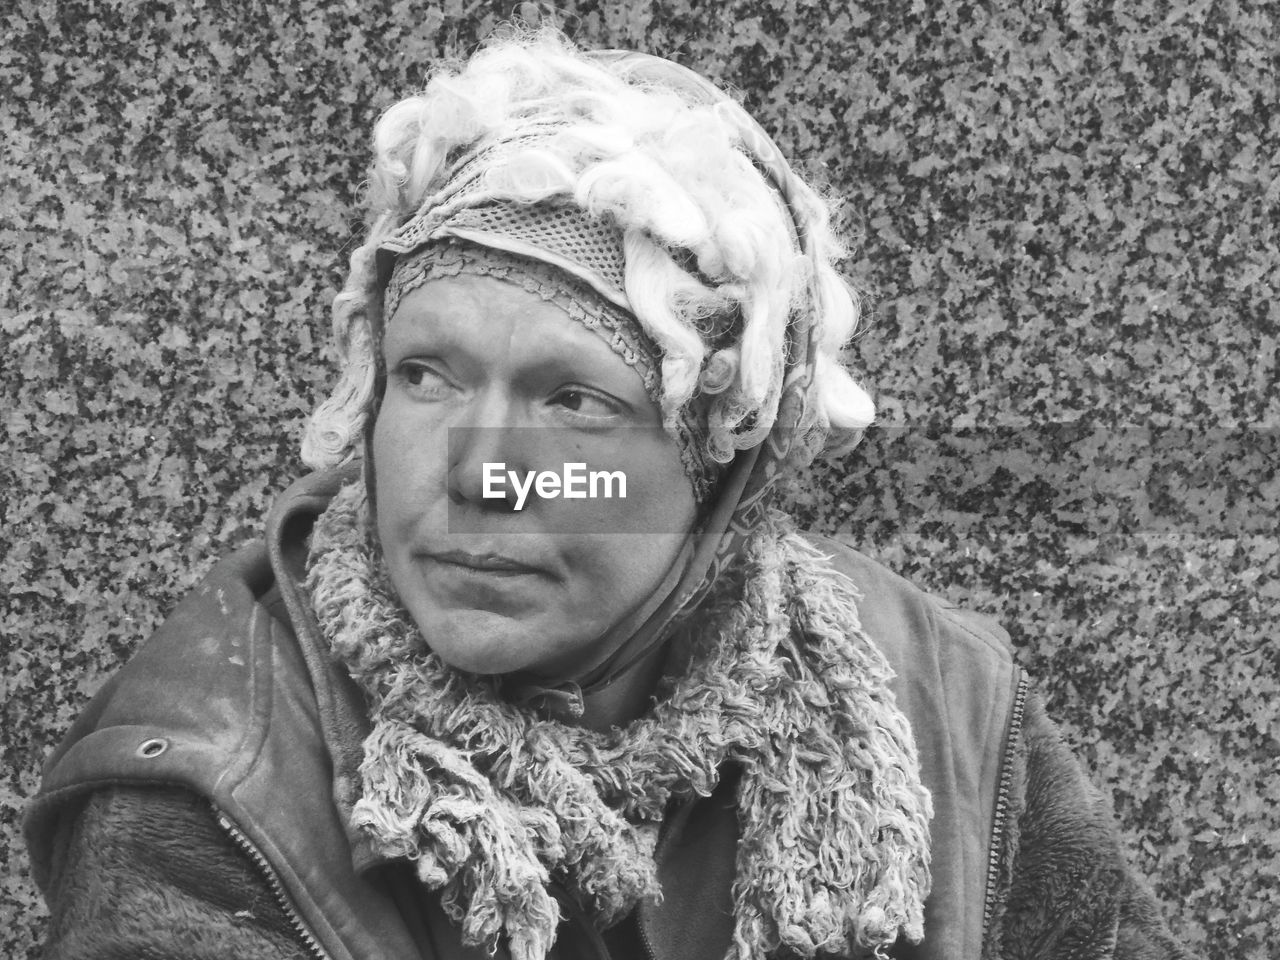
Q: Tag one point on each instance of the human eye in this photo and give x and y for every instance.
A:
(422, 379)
(585, 404)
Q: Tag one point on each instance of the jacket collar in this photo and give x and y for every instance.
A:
(344, 718)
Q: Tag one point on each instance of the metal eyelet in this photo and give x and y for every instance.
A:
(152, 747)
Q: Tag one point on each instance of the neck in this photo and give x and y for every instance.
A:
(626, 697)
(623, 698)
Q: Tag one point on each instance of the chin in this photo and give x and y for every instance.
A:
(480, 647)
(473, 661)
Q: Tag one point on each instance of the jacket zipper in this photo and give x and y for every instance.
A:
(1002, 801)
(646, 943)
(248, 848)
(659, 848)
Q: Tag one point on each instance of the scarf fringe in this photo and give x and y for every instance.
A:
(493, 804)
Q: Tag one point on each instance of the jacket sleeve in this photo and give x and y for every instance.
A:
(1066, 889)
(147, 872)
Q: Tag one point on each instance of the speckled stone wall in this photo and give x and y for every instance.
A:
(1064, 216)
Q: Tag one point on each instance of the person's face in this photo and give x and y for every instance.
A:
(481, 371)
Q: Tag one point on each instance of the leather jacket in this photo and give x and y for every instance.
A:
(234, 701)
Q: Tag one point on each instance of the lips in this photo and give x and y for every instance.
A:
(492, 563)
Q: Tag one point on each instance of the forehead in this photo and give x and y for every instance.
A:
(486, 315)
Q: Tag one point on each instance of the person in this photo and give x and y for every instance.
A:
(532, 666)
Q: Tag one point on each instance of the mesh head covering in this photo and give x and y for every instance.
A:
(585, 248)
(466, 208)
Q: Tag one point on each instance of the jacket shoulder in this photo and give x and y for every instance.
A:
(189, 707)
(900, 617)
(956, 681)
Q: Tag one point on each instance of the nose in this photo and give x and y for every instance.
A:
(487, 444)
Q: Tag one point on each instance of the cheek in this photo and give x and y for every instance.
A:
(406, 464)
(660, 495)
(624, 547)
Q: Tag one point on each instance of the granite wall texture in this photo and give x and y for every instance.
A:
(1064, 217)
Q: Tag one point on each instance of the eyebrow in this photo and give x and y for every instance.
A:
(562, 357)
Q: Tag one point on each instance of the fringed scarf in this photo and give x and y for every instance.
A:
(492, 803)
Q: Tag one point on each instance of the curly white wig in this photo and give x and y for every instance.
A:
(723, 243)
